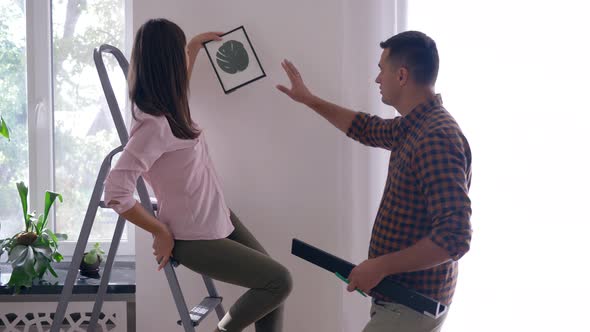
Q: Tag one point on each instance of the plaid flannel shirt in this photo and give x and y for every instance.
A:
(426, 193)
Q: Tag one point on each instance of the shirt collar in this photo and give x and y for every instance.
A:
(421, 110)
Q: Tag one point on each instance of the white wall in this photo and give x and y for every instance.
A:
(285, 171)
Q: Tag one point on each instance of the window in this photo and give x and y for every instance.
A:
(515, 76)
(70, 129)
(14, 155)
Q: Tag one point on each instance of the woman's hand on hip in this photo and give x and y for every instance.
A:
(163, 245)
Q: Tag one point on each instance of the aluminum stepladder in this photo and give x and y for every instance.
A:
(187, 319)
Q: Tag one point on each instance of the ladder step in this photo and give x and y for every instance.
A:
(203, 309)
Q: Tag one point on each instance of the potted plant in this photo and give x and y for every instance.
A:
(91, 260)
(32, 251)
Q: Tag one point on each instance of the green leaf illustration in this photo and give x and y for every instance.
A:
(232, 57)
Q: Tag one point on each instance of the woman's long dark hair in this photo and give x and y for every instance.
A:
(158, 77)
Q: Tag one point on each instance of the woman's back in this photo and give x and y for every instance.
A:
(180, 171)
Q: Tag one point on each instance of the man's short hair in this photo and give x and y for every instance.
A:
(415, 51)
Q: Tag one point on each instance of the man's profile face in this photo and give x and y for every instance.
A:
(389, 84)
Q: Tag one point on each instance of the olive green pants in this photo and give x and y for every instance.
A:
(394, 317)
(240, 260)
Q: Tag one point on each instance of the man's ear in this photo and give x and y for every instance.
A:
(403, 75)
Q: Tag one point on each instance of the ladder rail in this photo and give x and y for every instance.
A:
(213, 293)
(68, 286)
(95, 202)
(106, 274)
(105, 82)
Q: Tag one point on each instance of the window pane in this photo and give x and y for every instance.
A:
(14, 155)
(84, 132)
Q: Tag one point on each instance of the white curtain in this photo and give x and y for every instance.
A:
(515, 76)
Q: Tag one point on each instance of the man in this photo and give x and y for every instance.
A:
(423, 225)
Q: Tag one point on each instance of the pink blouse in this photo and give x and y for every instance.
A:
(181, 173)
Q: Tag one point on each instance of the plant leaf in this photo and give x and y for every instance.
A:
(90, 258)
(23, 192)
(51, 234)
(51, 270)
(30, 260)
(6, 244)
(41, 264)
(3, 243)
(57, 256)
(20, 278)
(42, 249)
(17, 253)
(97, 250)
(42, 241)
(61, 236)
(49, 200)
(23, 257)
(37, 224)
(4, 131)
(42, 271)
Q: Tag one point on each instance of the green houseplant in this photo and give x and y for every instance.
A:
(32, 251)
(91, 260)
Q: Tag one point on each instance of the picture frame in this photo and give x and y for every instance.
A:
(234, 60)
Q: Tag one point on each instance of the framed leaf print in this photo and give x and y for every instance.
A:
(234, 60)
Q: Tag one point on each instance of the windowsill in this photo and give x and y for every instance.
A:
(119, 258)
(122, 281)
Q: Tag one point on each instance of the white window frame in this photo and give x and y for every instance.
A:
(40, 108)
